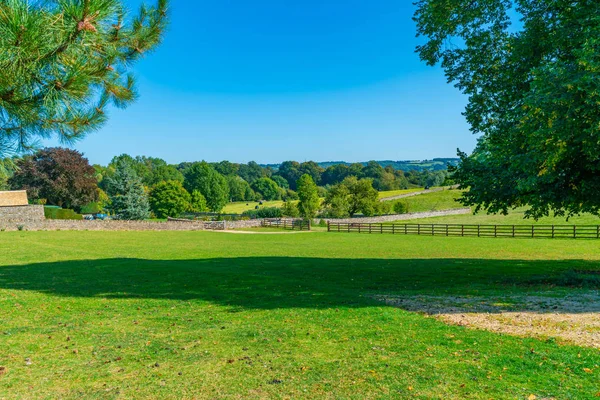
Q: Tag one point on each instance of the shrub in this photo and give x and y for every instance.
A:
(290, 209)
(169, 199)
(61, 213)
(384, 208)
(401, 207)
(267, 212)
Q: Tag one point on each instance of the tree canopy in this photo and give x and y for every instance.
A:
(534, 99)
(63, 62)
(62, 177)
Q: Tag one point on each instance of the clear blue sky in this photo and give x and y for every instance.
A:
(273, 80)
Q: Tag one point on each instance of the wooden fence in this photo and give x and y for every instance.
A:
(288, 224)
(495, 231)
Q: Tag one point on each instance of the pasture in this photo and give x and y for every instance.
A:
(314, 315)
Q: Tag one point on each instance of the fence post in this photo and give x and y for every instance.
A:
(418, 229)
(478, 230)
(462, 230)
(370, 227)
(552, 231)
(446, 229)
(405, 229)
(432, 230)
(574, 231)
(328, 226)
(532, 230)
(381, 228)
(359, 225)
(495, 231)
(393, 229)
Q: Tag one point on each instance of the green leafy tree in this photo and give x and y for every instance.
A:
(239, 189)
(169, 199)
(313, 169)
(128, 198)
(533, 99)
(213, 186)
(61, 176)
(309, 196)
(290, 209)
(281, 182)
(197, 202)
(267, 188)
(290, 171)
(250, 172)
(63, 62)
(363, 197)
(337, 202)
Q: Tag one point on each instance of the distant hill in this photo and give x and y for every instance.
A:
(408, 165)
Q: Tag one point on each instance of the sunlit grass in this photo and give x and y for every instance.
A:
(175, 315)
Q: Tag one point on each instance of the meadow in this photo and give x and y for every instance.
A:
(215, 315)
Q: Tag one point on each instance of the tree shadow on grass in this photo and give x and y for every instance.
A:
(295, 282)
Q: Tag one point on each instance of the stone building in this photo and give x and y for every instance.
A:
(14, 207)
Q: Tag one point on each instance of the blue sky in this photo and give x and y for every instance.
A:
(276, 80)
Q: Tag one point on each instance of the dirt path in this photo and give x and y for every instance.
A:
(572, 319)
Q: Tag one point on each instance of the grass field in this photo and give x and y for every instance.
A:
(391, 193)
(173, 315)
(514, 217)
(434, 201)
(241, 206)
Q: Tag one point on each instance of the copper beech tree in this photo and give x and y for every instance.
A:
(62, 62)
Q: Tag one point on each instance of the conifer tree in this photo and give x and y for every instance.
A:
(62, 62)
(128, 198)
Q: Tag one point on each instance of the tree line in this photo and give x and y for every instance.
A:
(138, 187)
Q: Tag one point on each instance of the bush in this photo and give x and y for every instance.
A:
(384, 208)
(61, 213)
(290, 209)
(267, 212)
(401, 207)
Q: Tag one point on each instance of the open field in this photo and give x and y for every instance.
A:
(210, 315)
(239, 207)
(434, 201)
(391, 193)
(514, 217)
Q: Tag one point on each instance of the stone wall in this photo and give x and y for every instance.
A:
(97, 225)
(9, 215)
(401, 217)
(13, 198)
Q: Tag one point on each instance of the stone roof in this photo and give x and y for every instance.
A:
(13, 198)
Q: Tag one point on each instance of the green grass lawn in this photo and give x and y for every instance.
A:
(434, 201)
(514, 217)
(171, 315)
(391, 193)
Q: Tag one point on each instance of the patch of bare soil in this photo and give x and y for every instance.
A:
(573, 319)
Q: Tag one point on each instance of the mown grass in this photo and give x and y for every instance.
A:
(212, 315)
(434, 201)
(175, 315)
(514, 217)
(391, 193)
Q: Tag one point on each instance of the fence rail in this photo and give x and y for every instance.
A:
(288, 224)
(495, 231)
